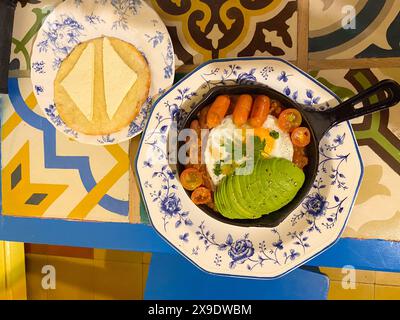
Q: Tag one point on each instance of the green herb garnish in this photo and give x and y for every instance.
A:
(217, 169)
(258, 147)
(274, 134)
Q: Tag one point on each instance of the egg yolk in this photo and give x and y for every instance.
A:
(263, 134)
(216, 152)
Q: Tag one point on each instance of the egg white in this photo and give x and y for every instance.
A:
(283, 147)
(227, 131)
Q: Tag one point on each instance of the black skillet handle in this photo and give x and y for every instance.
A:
(7, 10)
(346, 110)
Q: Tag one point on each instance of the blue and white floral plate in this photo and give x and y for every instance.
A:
(251, 252)
(76, 21)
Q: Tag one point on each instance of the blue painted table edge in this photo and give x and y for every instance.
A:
(372, 254)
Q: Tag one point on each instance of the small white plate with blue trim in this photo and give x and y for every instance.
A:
(257, 252)
(75, 21)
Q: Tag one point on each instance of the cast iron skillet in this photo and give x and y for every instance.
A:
(319, 122)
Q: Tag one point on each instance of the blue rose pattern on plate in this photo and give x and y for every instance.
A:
(254, 252)
(75, 21)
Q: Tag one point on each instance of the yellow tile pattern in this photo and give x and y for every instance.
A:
(12, 271)
(361, 276)
(113, 274)
(34, 276)
(368, 285)
(117, 280)
(387, 292)
(118, 255)
(361, 291)
(74, 279)
(388, 278)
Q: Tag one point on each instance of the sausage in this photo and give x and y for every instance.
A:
(259, 112)
(194, 150)
(195, 125)
(217, 111)
(203, 117)
(299, 157)
(234, 98)
(242, 109)
(276, 108)
(207, 182)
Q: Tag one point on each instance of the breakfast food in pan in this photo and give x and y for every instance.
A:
(239, 184)
(101, 86)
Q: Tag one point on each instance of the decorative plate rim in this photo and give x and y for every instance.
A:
(137, 125)
(361, 172)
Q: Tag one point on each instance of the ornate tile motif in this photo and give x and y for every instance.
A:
(45, 174)
(373, 29)
(376, 213)
(202, 30)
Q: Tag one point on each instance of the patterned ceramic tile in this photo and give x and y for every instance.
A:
(202, 30)
(27, 22)
(376, 213)
(45, 174)
(345, 29)
(215, 28)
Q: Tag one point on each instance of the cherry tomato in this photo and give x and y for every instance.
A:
(299, 157)
(201, 195)
(301, 137)
(191, 178)
(289, 120)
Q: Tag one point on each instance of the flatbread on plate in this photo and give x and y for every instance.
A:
(101, 86)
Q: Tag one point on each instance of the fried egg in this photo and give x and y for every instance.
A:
(277, 145)
(219, 156)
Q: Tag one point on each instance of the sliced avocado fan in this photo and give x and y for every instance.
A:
(273, 184)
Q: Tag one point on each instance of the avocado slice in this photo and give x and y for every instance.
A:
(243, 201)
(221, 204)
(237, 211)
(273, 183)
(224, 205)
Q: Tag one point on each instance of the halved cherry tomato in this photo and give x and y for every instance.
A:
(301, 137)
(299, 157)
(289, 120)
(201, 195)
(191, 178)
